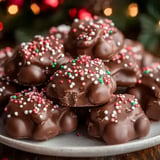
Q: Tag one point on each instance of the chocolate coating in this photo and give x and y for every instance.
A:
(142, 57)
(98, 38)
(5, 54)
(6, 90)
(148, 90)
(29, 114)
(60, 32)
(118, 121)
(124, 68)
(35, 61)
(82, 83)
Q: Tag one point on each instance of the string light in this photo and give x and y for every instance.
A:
(83, 13)
(159, 23)
(73, 12)
(108, 11)
(1, 26)
(52, 3)
(35, 8)
(13, 9)
(133, 10)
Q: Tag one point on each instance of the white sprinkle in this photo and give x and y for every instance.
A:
(28, 62)
(153, 87)
(106, 118)
(41, 59)
(105, 112)
(157, 79)
(41, 116)
(16, 113)
(21, 106)
(8, 116)
(26, 112)
(53, 85)
(95, 82)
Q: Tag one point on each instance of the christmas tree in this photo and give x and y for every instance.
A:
(20, 20)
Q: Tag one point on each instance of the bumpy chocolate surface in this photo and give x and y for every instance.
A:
(60, 32)
(118, 121)
(124, 68)
(148, 90)
(5, 54)
(6, 90)
(30, 114)
(36, 60)
(98, 38)
(142, 57)
(81, 83)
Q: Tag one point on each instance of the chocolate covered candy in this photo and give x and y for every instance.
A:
(36, 60)
(98, 38)
(30, 114)
(148, 90)
(124, 68)
(5, 54)
(82, 83)
(6, 90)
(60, 32)
(118, 121)
(142, 57)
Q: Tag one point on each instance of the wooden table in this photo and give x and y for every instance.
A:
(7, 153)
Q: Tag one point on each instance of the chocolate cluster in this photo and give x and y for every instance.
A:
(87, 73)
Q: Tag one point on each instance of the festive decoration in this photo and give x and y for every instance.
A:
(21, 20)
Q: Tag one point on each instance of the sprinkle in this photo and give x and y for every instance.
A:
(146, 71)
(14, 97)
(108, 72)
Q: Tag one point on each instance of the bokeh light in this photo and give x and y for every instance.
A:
(35, 8)
(73, 12)
(13, 9)
(52, 3)
(1, 26)
(133, 10)
(83, 14)
(108, 11)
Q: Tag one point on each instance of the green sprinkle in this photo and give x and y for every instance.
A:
(53, 66)
(36, 50)
(146, 71)
(110, 31)
(101, 80)
(73, 61)
(62, 66)
(14, 97)
(69, 74)
(108, 72)
(133, 103)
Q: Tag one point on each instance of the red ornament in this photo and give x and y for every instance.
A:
(83, 13)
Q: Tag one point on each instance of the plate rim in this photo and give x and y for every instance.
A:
(97, 151)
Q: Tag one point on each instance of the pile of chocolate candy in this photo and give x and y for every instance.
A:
(84, 73)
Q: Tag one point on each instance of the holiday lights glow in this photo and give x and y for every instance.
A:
(13, 9)
(108, 11)
(35, 8)
(133, 10)
(52, 3)
(73, 12)
(1, 26)
(83, 14)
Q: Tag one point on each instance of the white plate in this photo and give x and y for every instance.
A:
(71, 145)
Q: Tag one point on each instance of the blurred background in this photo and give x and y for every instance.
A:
(20, 20)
